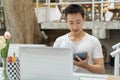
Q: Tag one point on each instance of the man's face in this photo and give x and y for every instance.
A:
(75, 22)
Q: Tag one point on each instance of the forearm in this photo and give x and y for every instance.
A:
(95, 68)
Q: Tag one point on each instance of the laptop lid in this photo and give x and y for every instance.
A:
(38, 63)
(14, 48)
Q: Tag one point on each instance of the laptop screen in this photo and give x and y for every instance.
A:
(45, 63)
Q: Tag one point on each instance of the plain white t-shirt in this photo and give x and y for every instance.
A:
(89, 44)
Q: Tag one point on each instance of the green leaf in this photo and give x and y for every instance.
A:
(4, 51)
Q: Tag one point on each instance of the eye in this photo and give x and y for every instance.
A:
(78, 22)
(71, 23)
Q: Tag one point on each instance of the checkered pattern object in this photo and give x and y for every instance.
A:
(14, 70)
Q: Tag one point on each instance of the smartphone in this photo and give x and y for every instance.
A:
(82, 55)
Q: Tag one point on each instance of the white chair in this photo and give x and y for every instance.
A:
(116, 54)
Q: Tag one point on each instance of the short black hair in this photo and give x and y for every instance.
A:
(74, 8)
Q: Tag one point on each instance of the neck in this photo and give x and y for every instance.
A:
(76, 37)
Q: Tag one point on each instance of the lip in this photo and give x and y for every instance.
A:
(75, 30)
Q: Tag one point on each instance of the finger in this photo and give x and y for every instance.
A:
(76, 63)
(78, 58)
(87, 57)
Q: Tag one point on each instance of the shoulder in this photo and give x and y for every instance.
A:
(60, 41)
(92, 38)
(63, 37)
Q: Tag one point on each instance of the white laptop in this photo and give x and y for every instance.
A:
(13, 48)
(45, 63)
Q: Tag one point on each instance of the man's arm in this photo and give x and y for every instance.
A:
(97, 67)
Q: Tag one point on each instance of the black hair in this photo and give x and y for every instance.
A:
(74, 8)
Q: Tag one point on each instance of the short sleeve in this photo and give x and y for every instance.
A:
(97, 50)
(56, 43)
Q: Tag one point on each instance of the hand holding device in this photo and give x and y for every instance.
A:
(82, 55)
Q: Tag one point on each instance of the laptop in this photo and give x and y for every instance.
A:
(45, 63)
(13, 48)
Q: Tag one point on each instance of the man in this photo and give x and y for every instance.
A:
(80, 41)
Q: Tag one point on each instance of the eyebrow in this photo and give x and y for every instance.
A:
(70, 21)
(78, 20)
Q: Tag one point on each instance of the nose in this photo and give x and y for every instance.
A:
(74, 26)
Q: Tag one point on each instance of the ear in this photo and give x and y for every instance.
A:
(65, 19)
(84, 17)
